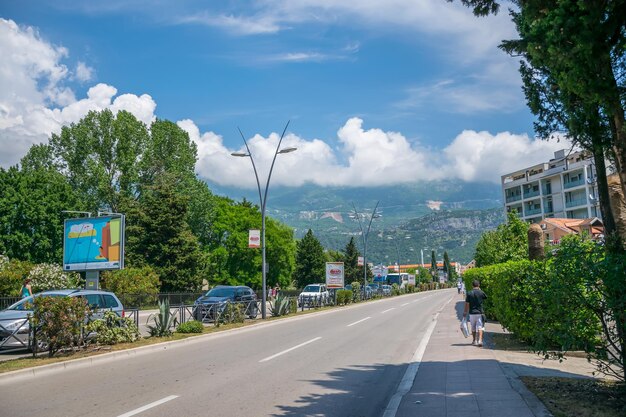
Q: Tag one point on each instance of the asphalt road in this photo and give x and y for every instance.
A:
(341, 362)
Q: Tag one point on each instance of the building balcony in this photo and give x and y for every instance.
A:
(576, 202)
(531, 212)
(574, 183)
(530, 194)
(512, 198)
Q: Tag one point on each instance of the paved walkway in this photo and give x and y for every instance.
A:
(457, 379)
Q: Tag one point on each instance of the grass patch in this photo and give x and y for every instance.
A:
(507, 341)
(573, 397)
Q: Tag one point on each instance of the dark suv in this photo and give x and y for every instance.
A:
(213, 303)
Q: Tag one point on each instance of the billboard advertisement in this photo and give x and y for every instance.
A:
(334, 275)
(93, 243)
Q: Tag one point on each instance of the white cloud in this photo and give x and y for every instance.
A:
(34, 102)
(239, 25)
(83, 72)
(481, 155)
(373, 158)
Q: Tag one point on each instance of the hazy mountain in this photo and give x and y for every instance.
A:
(442, 215)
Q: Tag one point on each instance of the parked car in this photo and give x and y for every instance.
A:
(14, 324)
(367, 292)
(376, 289)
(214, 302)
(314, 294)
(386, 289)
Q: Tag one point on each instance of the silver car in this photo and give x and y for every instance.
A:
(14, 324)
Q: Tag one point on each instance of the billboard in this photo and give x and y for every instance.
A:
(334, 275)
(254, 238)
(93, 243)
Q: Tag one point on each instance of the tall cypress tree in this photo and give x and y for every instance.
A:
(433, 264)
(310, 261)
(352, 272)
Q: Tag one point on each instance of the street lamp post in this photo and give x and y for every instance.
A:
(364, 236)
(263, 201)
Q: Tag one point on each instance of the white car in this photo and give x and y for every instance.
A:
(314, 294)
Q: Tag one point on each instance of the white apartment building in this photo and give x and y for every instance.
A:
(564, 187)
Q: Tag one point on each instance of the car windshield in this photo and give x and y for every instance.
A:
(26, 304)
(311, 288)
(221, 292)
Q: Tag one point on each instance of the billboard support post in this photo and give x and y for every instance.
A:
(92, 280)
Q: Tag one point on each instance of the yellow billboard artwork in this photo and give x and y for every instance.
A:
(81, 230)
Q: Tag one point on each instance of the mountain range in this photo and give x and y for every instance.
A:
(414, 218)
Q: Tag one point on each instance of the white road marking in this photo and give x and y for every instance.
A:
(389, 309)
(357, 322)
(269, 358)
(148, 406)
(411, 371)
(405, 304)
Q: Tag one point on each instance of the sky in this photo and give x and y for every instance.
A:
(376, 92)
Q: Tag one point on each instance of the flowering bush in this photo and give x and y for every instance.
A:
(58, 321)
(112, 329)
(52, 277)
(4, 261)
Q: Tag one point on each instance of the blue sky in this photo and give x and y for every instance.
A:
(378, 92)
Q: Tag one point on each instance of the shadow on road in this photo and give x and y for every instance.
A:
(354, 391)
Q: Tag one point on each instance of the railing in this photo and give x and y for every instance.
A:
(530, 212)
(7, 301)
(152, 300)
(531, 194)
(577, 202)
(574, 183)
(512, 198)
(15, 337)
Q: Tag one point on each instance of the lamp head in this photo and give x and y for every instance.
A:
(240, 154)
(287, 150)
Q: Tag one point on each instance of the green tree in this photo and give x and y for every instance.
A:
(100, 155)
(509, 242)
(423, 275)
(310, 261)
(433, 264)
(576, 53)
(352, 272)
(157, 235)
(31, 218)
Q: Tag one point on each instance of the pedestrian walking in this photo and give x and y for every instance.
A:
(26, 290)
(458, 287)
(474, 307)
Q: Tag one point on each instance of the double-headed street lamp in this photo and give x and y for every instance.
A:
(364, 235)
(263, 201)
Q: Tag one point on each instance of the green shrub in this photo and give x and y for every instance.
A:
(164, 320)
(12, 275)
(112, 329)
(191, 326)
(356, 291)
(395, 289)
(232, 313)
(134, 286)
(280, 306)
(58, 322)
(344, 297)
(293, 305)
(410, 288)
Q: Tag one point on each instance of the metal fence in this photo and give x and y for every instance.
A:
(152, 300)
(7, 301)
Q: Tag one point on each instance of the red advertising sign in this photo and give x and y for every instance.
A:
(334, 274)
(254, 238)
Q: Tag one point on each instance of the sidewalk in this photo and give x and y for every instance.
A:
(456, 379)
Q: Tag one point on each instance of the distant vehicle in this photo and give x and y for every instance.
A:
(14, 324)
(401, 279)
(376, 288)
(214, 302)
(314, 294)
(386, 289)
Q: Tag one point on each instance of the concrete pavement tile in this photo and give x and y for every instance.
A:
(412, 410)
(458, 387)
(493, 394)
(427, 399)
(468, 403)
(507, 412)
